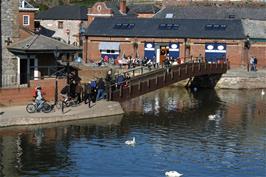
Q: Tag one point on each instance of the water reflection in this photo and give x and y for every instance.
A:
(32, 150)
(172, 132)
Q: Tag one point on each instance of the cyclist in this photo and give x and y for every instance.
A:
(39, 100)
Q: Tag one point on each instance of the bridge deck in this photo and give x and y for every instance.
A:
(142, 82)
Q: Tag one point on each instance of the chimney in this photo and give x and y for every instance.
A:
(123, 6)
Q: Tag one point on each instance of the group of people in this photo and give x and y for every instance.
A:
(253, 63)
(90, 92)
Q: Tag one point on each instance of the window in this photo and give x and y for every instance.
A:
(232, 16)
(26, 20)
(124, 26)
(216, 27)
(169, 26)
(60, 25)
(169, 16)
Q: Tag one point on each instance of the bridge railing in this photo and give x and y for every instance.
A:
(155, 79)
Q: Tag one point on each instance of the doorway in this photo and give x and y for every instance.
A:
(23, 72)
(164, 50)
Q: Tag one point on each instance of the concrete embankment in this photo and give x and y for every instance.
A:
(242, 79)
(17, 115)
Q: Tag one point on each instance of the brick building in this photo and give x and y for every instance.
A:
(179, 38)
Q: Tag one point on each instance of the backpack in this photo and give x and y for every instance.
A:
(34, 94)
(93, 84)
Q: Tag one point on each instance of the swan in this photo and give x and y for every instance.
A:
(212, 116)
(262, 92)
(173, 174)
(131, 142)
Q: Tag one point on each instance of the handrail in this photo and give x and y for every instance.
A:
(174, 74)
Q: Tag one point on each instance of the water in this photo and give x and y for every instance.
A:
(172, 132)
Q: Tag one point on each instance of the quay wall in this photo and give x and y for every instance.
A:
(20, 96)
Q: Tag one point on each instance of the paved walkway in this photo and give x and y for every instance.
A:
(17, 115)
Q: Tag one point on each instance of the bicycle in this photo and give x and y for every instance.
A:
(66, 102)
(32, 107)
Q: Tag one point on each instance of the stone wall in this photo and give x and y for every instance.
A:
(9, 29)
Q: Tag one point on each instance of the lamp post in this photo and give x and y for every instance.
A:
(68, 35)
(247, 45)
(56, 55)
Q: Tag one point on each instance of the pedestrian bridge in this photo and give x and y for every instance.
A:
(143, 82)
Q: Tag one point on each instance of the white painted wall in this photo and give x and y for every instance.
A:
(72, 25)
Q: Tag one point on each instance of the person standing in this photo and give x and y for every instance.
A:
(255, 61)
(101, 89)
(87, 98)
(78, 91)
(251, 62)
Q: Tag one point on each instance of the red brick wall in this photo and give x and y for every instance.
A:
(32, 18)
(235, 48)
(259, 51)
(21, 96)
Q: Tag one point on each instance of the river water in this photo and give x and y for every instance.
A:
(172, 131)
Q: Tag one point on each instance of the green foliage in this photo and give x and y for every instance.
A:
(45, 4)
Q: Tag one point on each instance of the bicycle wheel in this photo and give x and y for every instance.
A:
(31, 108)
(46, 108)
(59, 104)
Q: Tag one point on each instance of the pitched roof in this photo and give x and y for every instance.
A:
(143, 8)
(64, 13)
(211, 12)
(132, 9)
(259, 32)
(39, 43)
(149, 27)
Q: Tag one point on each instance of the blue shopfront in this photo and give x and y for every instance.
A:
(215, 52)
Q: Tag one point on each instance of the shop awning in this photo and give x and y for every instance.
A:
(109, 46)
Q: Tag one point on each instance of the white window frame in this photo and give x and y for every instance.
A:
(27, 22)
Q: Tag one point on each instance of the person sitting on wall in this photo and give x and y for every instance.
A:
(149, 64)
(105, 59)
(144, 61)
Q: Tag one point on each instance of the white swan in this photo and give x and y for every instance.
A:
(211, 116)
(173, 174)
(131, 142)
(262, 92)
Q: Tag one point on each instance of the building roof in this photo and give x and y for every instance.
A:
(143, 8)
(64, 13)
(132, 9)
(213, 12)
(41, 44)
(178, 28)
(256, 33)
(114, 6)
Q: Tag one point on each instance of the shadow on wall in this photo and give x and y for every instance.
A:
(207, 81)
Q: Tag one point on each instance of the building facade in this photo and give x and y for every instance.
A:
(9, 34)
(64, 23)
(214, 40)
